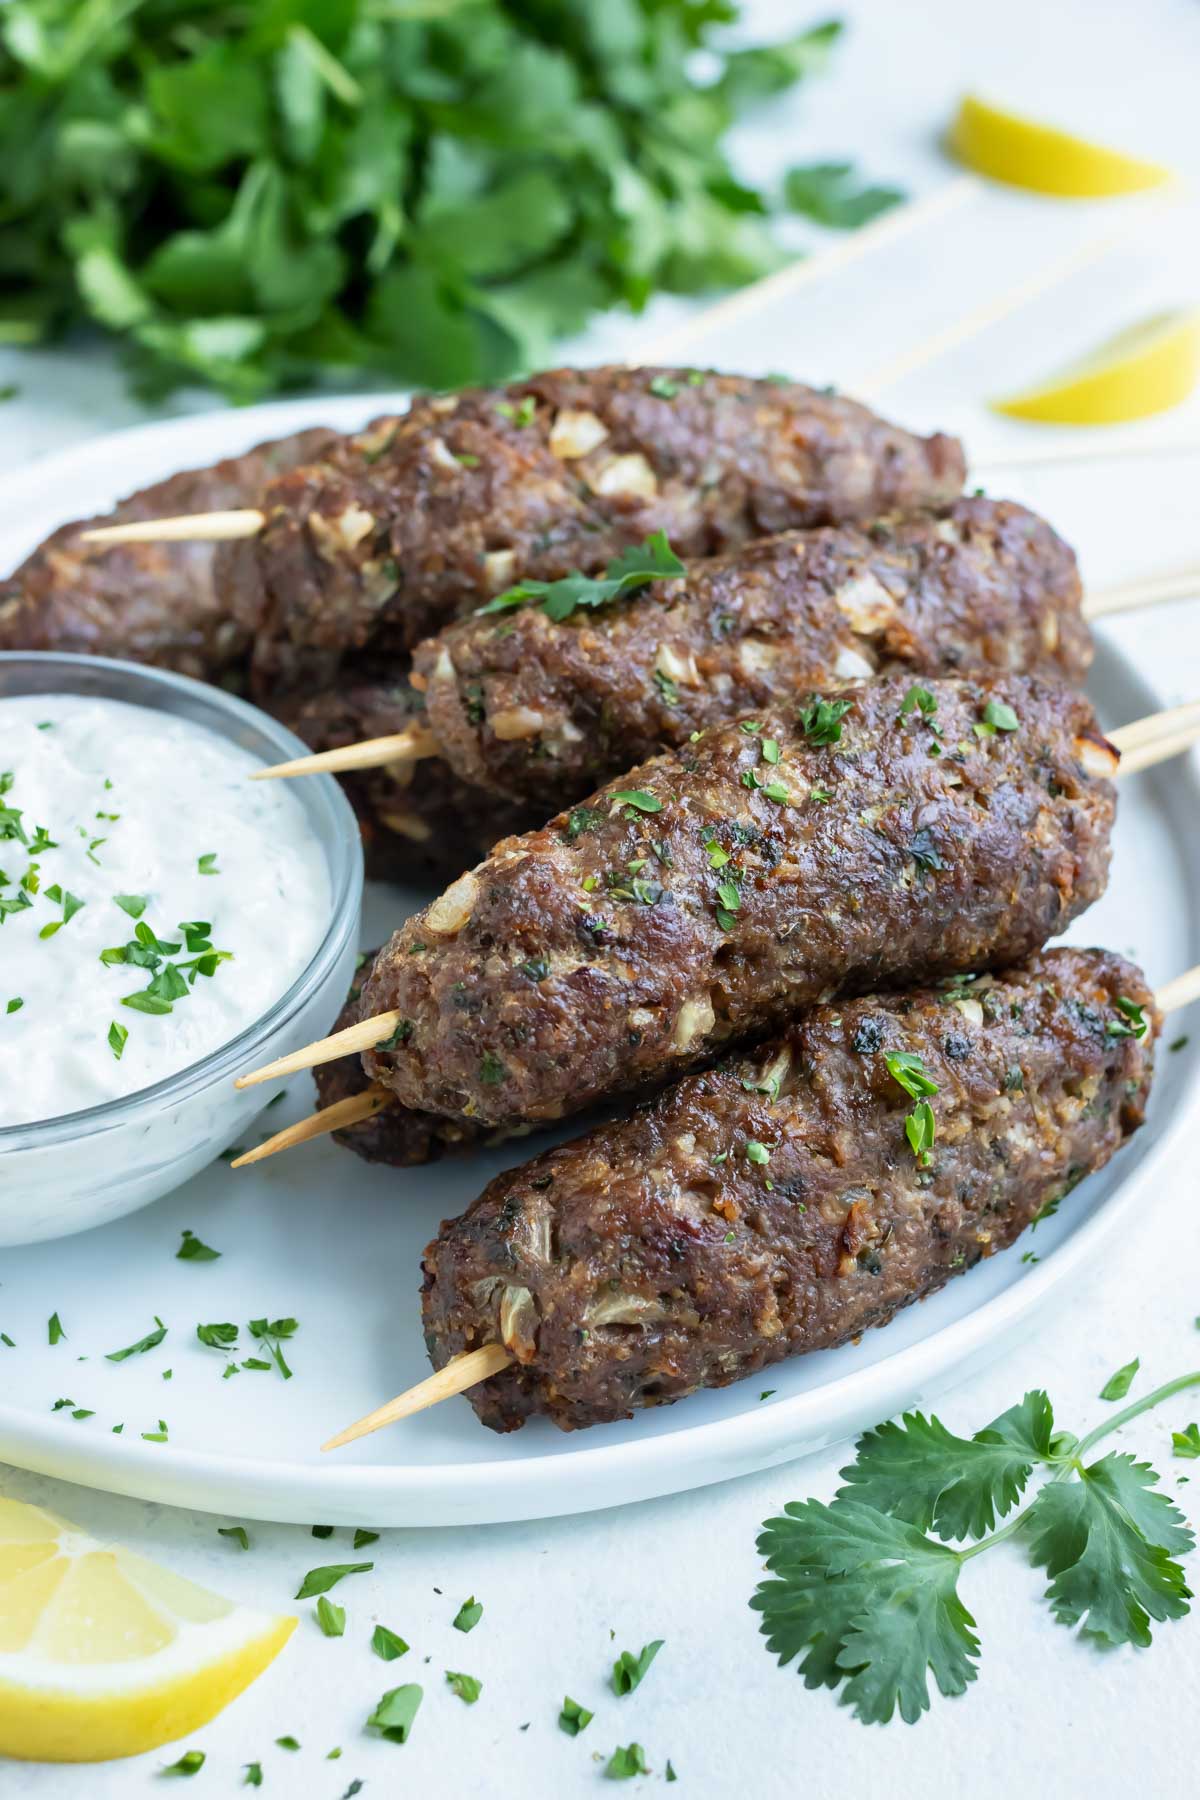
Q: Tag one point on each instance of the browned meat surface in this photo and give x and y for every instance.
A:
(396, 1135)
(421, 518)
(419, 822)
(669, 1253)
(150, 603)
(708, 896)
(545, 710)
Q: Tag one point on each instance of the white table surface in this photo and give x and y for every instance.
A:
(563, 1597)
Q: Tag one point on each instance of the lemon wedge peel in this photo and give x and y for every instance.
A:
(104, 1654)
(1023, 153)
(1146, 369)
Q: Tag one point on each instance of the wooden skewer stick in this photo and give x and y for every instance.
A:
(784, 283)
(351, 1111)
(417, 742)
(472, 1366)
(411, 745)
(1143, 742)
(186, 528)
(459, 1373)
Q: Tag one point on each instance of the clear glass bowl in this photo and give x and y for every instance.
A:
(67, 1174)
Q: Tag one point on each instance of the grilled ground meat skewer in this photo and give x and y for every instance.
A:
(151, 603)
(774, 1206)
(416, 820)
(714, 892)
(396, 1135)
(423, 517)
(544, 710)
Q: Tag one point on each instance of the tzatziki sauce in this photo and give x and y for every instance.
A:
(153, 901)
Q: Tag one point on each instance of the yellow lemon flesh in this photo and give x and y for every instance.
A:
(104, 1654)
(1028, 155)
(1144, 370)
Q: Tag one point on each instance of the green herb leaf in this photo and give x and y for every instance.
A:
(118, 1037)
(640, 800)
(191, 1249)
(387, 1644)
(331, 1618)
(207, 864)
(319, 1581)
(190, 1763)
(918, 1471)
(821, 720)
(1186, 1443)
(1108, 1542)
(253, 1776)
(56, 1331)
(829, 193)
(468, 1615)
(908, 1069)
(1132, 1023)
(133, 904)
(653, 560)
(574, 1718)
(626, 1761)
(1118, 1385)
(629, 1670)
(465, 1686)
(394, 1715)
(362, 1538)
(865, 1599)
(151, 1339)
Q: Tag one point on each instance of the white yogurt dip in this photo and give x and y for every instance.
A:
(153, 901)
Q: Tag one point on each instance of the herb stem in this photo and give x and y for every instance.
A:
(1133, 1411)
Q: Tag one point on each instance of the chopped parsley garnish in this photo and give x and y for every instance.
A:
(491, 1070)
(237, 1533)
(15, 1004)
(54, 1329)
(865, 1588)
(394, 1715)
(1132, 1023)
(217, 1336)
(640, 800)
(574, 1718)
(581, 819)
(70, 903)
(920, 1128)
(663, 388)
(998, 715)
(640, 563)
(319, 1581)
(394, 1039)
(626, 1761)
(270, 1335)
(756, 1152)
(330, 1617)
(156, 1437)
(468, 1615)
(522, 414)
(387, 1644)
(919, 699)
(908, 1068)
(1186, 1443)
(467, 1687)
(668, 688)
(151, 1339)
(189, 1764)
(118, 1036)
(821, 720)
(924, 851)
(253, 1776)
(192, 1249)
(629, 1670)
(717, 858)
(207, 864)
(729, 901)
(1119, 1384)
(362, 1537)
(770, 750)
(288, 1742)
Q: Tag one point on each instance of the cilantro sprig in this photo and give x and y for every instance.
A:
(865, 1588)
(652, 560)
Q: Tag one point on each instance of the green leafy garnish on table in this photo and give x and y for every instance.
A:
(432, 192)
(629, 1670)
(394, 1715)
(865, 1589)
(319, 1581)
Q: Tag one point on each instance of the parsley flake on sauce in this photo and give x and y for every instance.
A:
(118, 1036)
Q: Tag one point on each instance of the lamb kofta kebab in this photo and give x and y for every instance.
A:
(817, 864)
(893, 833)
(789, 1199)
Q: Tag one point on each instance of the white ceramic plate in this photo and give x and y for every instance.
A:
(336, 1244)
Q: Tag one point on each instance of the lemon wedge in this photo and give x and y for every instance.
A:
(1028, 155)
(1143, 370)
(105, 1654)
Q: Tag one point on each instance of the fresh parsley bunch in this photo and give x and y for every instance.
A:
(866, 1588)
(430, 190)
